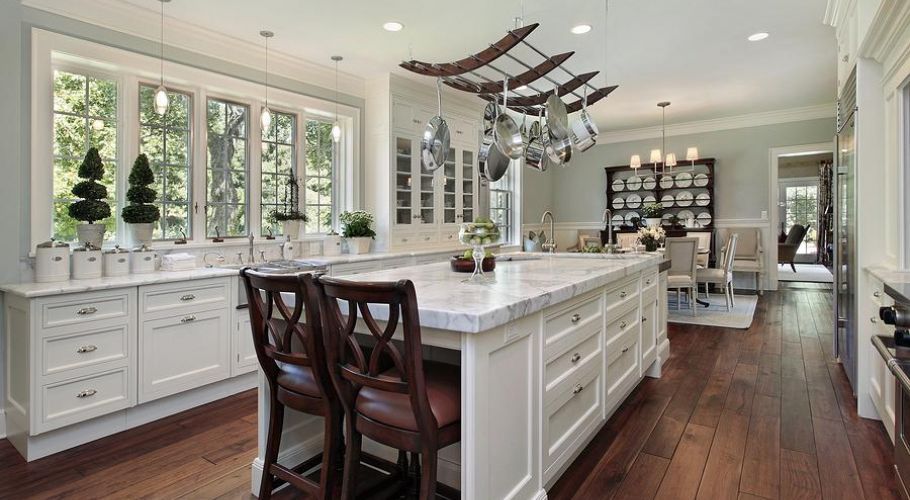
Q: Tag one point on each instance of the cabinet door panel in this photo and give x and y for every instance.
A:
(245, 354)
(648, 334)
(403, 182)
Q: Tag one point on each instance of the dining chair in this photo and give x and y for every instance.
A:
(723, 274)
(413, 406)
(749, 256)
(291, 355)
(683, 255)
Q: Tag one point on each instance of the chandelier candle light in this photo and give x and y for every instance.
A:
(161, 99)
(266, 116)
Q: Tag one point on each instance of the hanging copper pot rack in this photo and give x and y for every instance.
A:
(454, 74)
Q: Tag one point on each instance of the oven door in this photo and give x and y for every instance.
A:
(901, 447)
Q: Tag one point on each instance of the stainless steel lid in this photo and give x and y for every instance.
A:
(53, 244)
(117, 249)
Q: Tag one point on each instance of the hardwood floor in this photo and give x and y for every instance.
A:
(758, 413)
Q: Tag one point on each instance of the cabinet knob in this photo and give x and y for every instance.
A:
(576, 357)
(578, 388)
(86, 393)
(876, 294)
(643, 319)
(87, 348)
(188, 319)
(426, 238)
(576, 318)
(623, 294)
(625, 350)
(873, 319)
(188, 297)
(85, 311)
(648, 281)
(623, 325)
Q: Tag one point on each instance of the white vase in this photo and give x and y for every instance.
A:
(291, 228)
(331, 245)
(359, 245)
(92, 234)
(653, 221)
(142, 233)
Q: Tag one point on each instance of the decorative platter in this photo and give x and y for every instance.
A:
(648, 199)
(649, 183)
(704, 218)
(666, 181)
(633, 183)
(618, 203)
(667, 200)
(703, 199)
(685, 215)
(701, 179)
(684, 198)
(618, 185)
(618, 220)
(683, 180)
(633, 201)
(630, 216)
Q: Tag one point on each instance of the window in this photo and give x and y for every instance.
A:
(279, 166)
(85, 116)
(502, 208)
(320, 163)
(799, 205)
(228, 164)
(167, 142)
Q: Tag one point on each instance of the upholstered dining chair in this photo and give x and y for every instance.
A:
(786, 251)
(723, 274)
(413, 406)
(749, 256)
(683, 255)
(288, 339)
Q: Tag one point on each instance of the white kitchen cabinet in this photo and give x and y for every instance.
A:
(882, 384)
(244, 358)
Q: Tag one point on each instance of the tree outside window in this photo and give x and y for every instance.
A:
(228, 165)
(279, 165)
(320, 165)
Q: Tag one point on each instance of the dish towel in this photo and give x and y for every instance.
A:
(178, 262)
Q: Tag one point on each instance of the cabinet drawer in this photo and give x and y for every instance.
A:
(586, 311)
(648, 334)
(563, 365)
(450, 236)
(403, 239)
(622, 296)
(622, 366)
(84, 309)
(354, 268)
(78, 350)
(427, 237)
(84, 398)
(621, 326)
(195, 295)
(569, 417)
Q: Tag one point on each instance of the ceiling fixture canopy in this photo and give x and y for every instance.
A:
(162, 101)
(336, 127)
(265, 117)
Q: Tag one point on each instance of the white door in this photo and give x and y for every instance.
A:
(799, 205)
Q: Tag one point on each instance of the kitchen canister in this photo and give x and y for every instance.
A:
(117, 262)
(86, 263)
(331, 245)
(143, 260)
(52, 261)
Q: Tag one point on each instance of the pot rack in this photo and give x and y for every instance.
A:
(453, 75)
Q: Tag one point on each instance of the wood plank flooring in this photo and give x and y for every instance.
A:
(758, 413)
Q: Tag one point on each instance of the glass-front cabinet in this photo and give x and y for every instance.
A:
(404, 171)
(468, 184)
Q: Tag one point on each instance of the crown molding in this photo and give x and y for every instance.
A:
(836, 11)
(888, 38)
(144, 23)
(717, 124)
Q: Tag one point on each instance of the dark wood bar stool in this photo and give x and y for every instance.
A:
(292, 356)
(414, 405)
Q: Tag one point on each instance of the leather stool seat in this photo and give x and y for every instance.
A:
(298, 379)
(443, 383)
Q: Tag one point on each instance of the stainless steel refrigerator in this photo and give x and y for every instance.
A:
(845, 272)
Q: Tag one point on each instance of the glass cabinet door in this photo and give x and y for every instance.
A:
(426, 195)
(449, 188)
(404, 171)
(468, 178)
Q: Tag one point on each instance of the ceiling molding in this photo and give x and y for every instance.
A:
(144, 23)
(717, 124)
(887, 38)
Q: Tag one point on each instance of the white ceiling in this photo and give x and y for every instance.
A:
(693, 52)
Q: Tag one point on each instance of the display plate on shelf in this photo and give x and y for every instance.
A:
(666, 181)
(684, 198)
(683, 179)
(618, 219)
(649, 183)
(630, 216)
(633, 183)
(667, 200)
(666, 217)
(701, 179)
(633, 201)
(685, 215)
(704, 218)
(619, 203)
(648, 199)
(618, 185)
(703, 199)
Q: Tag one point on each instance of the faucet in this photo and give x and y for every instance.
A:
(549, 246)
(608, 221)
(252, 258)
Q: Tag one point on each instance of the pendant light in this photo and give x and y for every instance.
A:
(336, 127)
(265, 117)
(162, 101)
(670, 158)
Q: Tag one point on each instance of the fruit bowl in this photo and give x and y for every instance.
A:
(460, 264)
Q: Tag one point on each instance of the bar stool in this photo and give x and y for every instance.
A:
(413, 406)
(292, 357)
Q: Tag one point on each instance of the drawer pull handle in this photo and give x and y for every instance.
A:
(188, 319)
(876, 294)
(623, 325)
(188, 297)
(648, 281)
(86, 393)
(578, 388)
(625, 350)
(643, 319)
(85, 311)
(622, 294)
(873, 319)
(576, 318)
(57, 258)
(87, 348)
(576, 357)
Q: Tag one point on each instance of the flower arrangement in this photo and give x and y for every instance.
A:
(652, 210)
(357, 224)
(651, 237)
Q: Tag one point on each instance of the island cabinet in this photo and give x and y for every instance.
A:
(89, 364)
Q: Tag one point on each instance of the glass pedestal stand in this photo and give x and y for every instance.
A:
(478, 276)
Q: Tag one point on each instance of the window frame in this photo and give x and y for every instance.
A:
(513, 179)
(298, 149)
(333, 177)
(248, 154)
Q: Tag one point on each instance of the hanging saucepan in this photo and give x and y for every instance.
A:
(557, 119)
(493, 164)
(490, 112)
(584, 130)
(535, 128)
(434, 147)
(505, 130)
(535, 151)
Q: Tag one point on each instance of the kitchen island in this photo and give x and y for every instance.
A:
(547, 353)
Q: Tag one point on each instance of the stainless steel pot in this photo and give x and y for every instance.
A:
(434, 147)
(536, 151)
(505, 131)
(493, 164)
(584, 130)
(559, 150)
(490, 112)
(557, 117)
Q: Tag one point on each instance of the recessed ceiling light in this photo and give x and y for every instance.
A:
(581, 29)
(392, 26)
(755, 37)
(523, 87)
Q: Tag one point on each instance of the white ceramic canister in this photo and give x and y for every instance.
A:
(52, 262)
(86, 263)
(143, 260)
(117, 262)
(331, 245)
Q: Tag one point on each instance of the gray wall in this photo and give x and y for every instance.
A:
(801, 166)
(577, 192)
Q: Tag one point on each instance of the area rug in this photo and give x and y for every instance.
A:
(807, 273)
(716, 313)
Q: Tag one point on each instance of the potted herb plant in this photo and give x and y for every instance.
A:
(91, 208)
(289, 216)
(651, 237)
(652, 212)
(357, 230)
(140, 214)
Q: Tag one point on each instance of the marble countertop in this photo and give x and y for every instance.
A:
(896, 281)
(523, 286)
(30, 290)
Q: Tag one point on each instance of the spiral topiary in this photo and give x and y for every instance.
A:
(140, 195)
(92, 206)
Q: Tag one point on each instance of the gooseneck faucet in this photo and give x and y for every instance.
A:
(251, 257)
(550, 245)
(608, 221)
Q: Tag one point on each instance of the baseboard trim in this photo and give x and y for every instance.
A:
(2, 424)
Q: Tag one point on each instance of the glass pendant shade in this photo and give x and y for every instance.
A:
(635, 162)
(336, 132)
(692, 154)
(671, 160)
(655, 156)
(162, 101)
(265, 118)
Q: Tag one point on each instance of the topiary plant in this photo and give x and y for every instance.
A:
(92, 206)
(140, 195)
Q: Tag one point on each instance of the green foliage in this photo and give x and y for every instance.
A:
(276, 216)
(357, 224)
(652, 210)
(140, 195)
(92, 207)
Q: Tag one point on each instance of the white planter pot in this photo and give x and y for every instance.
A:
(291, 228)
(90, 234)
(142, 233)
(331, 245)
(653, 221)
(357, 246)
